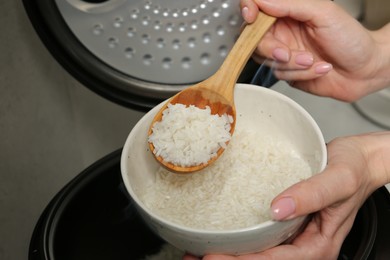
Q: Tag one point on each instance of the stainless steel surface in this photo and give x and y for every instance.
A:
(168, 42)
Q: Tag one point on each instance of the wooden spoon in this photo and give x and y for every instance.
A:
(217, 91)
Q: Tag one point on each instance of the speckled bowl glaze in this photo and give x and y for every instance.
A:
(270, 113)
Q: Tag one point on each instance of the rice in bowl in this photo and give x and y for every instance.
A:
(235, 192)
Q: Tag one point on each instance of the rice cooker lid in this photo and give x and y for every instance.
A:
(169, 42)
(137, 53)
(92, 217)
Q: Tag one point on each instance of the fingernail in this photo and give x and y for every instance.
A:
(281, 55)
(304, 59)
(282, 208)
(323, 68)
(245, 13)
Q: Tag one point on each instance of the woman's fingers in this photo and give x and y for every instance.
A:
(317, 70)
(299, 67)
(271, 49)
(314, 194)
(249, 10)
(269, 44)
(281, 59)
(321, 239)
(342, 179)
(300, 10)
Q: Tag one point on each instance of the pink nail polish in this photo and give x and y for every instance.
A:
(282, 208)
(323, 68)
(281, 55)
(245, 13)
(304, 59)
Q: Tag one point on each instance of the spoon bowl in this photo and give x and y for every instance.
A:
(217, 92)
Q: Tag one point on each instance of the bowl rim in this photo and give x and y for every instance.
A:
(259, 226)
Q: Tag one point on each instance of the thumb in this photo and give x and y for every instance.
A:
(316, 193)
(300, 10)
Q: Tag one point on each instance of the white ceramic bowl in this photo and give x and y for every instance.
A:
(265, 110)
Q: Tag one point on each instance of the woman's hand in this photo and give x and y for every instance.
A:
(321, 49)
(357, 166)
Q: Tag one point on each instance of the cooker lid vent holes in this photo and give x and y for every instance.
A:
(167, 42)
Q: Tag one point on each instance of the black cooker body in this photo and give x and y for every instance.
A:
(93, 217)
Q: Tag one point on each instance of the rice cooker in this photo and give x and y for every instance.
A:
(136, 54)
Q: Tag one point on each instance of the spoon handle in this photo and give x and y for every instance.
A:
(240, 53)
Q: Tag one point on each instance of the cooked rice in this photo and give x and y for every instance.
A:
(189, 136)
(234, 192)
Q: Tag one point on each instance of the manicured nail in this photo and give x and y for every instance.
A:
(304, 59)
(245, 13)
(282, 208)
(323, 68)
(281, 55)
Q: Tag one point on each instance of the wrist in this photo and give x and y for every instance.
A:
(377, 150)
(381, 75)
